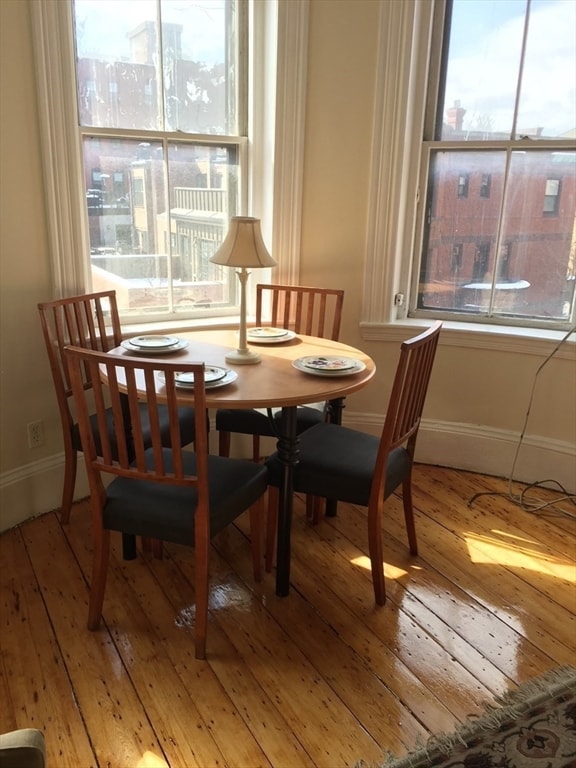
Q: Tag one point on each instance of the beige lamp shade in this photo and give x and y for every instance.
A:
(243, 246)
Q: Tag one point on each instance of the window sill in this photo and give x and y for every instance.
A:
(181, 326)
(532, 341)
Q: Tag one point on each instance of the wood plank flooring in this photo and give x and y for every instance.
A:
(320, 678)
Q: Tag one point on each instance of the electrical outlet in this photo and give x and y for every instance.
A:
(35, 434)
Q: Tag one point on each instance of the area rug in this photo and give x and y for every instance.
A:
(533, 726)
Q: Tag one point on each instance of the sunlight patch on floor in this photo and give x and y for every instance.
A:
(390, 571)
(150, 760)
(514, 551)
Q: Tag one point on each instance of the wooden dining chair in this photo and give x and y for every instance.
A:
(310, 311)
(158, 493)
(352, 466)
(90, 321)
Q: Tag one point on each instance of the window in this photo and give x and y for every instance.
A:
(494, 124)
(485, 182)
(163, 116)
(165, 136)
(551, 196)
(457, 251)
(463, 181)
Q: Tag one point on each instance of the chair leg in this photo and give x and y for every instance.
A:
(129, 546)
(99, 571)
(224, 439)
(271, 526)
(70, 466)
(201, 556)
(409, 515)
(376, 554)
(256, 449)
(256, 520)
(313, 508)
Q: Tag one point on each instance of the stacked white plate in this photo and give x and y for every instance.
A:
(328, 365)
(214, 376)
(154, 344)
(269, 335)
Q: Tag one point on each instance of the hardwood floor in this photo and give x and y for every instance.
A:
(321, 678)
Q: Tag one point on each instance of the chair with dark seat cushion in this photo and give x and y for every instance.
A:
(311, 311)
(348, 465)
(158, 493)
(90, 321)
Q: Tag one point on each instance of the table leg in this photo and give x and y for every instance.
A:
(288, 455)
(335, 408)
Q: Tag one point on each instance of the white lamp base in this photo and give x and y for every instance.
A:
(243, 357)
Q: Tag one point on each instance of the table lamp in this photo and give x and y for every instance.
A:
(243, 247)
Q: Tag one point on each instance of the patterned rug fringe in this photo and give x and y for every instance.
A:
(508, 706)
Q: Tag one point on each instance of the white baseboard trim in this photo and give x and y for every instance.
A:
(36, 488)
(489, 451)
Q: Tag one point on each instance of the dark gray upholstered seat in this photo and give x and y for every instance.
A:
(339, 463)
(156, 510)
(344, 464)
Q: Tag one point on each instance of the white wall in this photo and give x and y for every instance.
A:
(478, 397)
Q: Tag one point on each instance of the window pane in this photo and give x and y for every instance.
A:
(117, 50)
(542, 246)
(548, 89)
(460, 224)
(200, 62)
(488, 71)
(482, 68)
(151, 239)
(126, 70)
(525, 268)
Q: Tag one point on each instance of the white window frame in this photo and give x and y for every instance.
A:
(403, 71)
(278, 42)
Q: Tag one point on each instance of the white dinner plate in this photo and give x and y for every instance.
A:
(211, 373)
(188, 383)
(269, 335)
(129, 347)
(153, 341)
(319, 365)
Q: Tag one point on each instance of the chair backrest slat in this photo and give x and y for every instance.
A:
(311, 311)
(134, 390)
(407, 398)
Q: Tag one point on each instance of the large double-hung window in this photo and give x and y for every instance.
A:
(498, 181)
(473, 196)
(162, 112)
(159, 123)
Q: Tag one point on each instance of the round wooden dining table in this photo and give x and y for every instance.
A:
(273, 383)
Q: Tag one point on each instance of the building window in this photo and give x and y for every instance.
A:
(480, 264)
(457, 250)
(485, 182)
(508, 139)
(551, 196)
(503, 265)
(463, 181)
